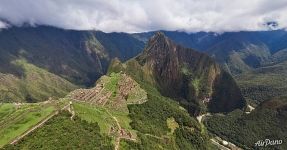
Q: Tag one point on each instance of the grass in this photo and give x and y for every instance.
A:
(103, 116)
(94, 114)
(5, 110)
(15, 121)
(196, 84)
(172, 124)
(123, 118)
(186, 71)
(112, 84)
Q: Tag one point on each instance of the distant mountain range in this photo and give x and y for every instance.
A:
(237, 51)
(81, 57)
(78, 56)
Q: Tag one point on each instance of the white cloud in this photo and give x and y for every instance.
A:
(2, 25)
(146, 15)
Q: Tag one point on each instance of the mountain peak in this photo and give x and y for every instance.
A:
(159, 34)
(158, 42)
(158, 37)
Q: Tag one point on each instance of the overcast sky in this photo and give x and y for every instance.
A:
(147, 15)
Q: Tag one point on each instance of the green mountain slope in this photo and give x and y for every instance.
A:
(279, 56)
(80, 57)
(267, 121)
(191, 77)
(264, 83)
(34, 85)
(240, 56)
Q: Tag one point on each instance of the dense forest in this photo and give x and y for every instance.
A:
(245, 130)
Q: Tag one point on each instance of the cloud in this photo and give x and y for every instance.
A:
(2, 25)
(146, 15)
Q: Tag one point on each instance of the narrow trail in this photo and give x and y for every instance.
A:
(118, 138)
(71, 110)
(117, 144)
(154, 136)
(37, 125)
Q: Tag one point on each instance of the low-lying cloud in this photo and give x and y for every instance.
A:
(147, 15)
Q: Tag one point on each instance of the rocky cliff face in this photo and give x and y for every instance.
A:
(186, 75)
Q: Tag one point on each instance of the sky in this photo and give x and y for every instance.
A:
(147, 15)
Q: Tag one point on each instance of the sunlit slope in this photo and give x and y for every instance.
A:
(17, 118)
(34, 85)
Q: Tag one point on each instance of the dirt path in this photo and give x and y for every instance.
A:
(38, 125)
(157, 137)
(201, 117)
(118, 138)
(71, 110)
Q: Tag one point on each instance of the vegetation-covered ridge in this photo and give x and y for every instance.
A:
(267, 121)
(264, 83)
(34, 85)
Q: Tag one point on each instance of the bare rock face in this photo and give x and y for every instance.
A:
(190, 76)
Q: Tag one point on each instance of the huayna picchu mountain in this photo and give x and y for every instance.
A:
(191, 77)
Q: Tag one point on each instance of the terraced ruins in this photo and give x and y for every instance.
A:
(115, 91)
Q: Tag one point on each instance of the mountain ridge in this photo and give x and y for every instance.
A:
(78, 56)
(183, 74)
(221, 46)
